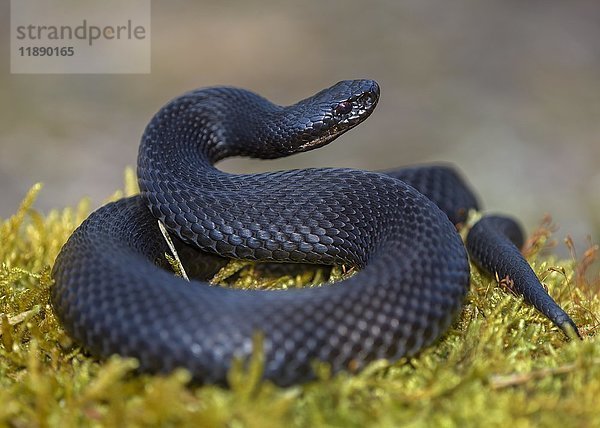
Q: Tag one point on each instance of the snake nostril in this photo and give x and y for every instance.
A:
(366, 100)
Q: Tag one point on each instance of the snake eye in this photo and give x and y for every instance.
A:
(342, 108)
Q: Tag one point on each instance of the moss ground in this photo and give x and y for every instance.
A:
(500, 363)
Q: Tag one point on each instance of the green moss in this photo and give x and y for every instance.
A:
(500, 363)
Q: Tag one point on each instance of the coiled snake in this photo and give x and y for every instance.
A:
(112, 294)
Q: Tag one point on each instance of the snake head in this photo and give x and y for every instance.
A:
(331, 112)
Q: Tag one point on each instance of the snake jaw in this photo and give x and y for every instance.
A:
(319, 141)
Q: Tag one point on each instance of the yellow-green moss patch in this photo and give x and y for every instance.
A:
(500, 363)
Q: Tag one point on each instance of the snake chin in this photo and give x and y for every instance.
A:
(320, 141)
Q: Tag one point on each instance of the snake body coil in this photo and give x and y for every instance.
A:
(113, 295)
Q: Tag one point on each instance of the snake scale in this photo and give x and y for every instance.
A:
(113, 293)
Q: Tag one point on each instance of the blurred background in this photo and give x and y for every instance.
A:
(509, 91)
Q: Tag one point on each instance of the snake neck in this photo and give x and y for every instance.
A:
(191, 133)
(212, 124)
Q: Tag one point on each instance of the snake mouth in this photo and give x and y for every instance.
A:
(319, 142)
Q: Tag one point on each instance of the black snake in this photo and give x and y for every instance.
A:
(113, 295)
